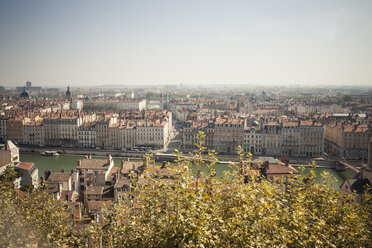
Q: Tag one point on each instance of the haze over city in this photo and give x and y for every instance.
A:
(87, 43)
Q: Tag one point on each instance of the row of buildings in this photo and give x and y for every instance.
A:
(224, 134)
(126, 130)
(347, 139)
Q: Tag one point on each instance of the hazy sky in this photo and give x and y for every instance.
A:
(91, 42)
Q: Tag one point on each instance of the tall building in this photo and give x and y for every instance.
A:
(68, 93)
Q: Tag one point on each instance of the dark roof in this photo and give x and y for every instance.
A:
(359, 185)
(121, 182)
(24, 94)
(58, 177)
(93, 164)
(94, 190)
(94, 206)
(130, 165)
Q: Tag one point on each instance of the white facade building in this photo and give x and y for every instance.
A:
(33, 133)
(252, 142)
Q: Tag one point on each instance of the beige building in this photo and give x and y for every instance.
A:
(3, 132)
(14, 128)
(224, 135)
(9, 154)
(87, 135)
(152, 134)
(33, 133)
(29, 174)
(131, 104)
(252, 142)
(347, 140)
(290, 139)
(128, 134)
(272, 139)
(93, 172)
(114, 136)
(103, 125)
(311, 139)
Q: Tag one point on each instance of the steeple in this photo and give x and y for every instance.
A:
(68, 93)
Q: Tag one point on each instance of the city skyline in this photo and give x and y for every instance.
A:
(81, 43)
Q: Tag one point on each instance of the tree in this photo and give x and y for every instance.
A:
(34, 219)
(186, 211)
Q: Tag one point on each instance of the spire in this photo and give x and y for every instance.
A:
(68, 93)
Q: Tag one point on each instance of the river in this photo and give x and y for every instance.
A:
(69, 162)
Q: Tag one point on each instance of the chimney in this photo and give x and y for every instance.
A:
(109, 160)
(79, 162)
(47, 174)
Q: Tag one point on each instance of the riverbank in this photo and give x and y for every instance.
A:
(68, 162)
(160, 156)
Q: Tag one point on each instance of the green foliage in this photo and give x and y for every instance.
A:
(169, 207)
(27, 188)
(205, 212)
(32, 219)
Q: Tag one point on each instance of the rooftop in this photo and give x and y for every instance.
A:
(25, 165)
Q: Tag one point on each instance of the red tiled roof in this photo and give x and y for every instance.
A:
(25, 165)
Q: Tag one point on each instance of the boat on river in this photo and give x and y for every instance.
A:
(49, 153)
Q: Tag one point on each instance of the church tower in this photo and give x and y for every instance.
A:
(68, 93)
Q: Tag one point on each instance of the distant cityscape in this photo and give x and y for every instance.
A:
(278, 127)
(295, 122)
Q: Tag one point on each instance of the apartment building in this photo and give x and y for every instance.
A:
(92, 172)
(103, 125)
(3, 132)
(252, 142)
(222, 134)
(272, 139)
(62, 130)
(311, 139)
(33, 134)
(114, 136)
(14, 128)
(9, 154)
(228, 134)
(29, 174)
(290, 138)
(128, 133)
(87, 135)
(132, 104)
(153, 134)
(347, 140)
